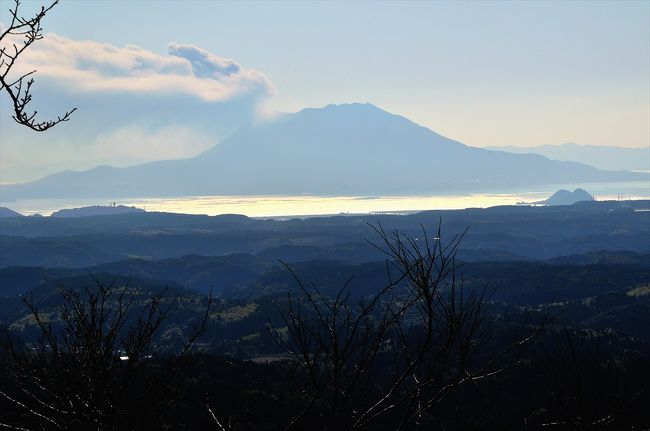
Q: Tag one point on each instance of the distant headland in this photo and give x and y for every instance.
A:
(96, 210)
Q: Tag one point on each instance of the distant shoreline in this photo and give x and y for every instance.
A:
(282, 207)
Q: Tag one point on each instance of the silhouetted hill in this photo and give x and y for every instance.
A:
(339, 149)
(604, 257)
(245, 278)
(565, 197)
(6, 212)
(96, 210)
(199, 273)
(498, 233)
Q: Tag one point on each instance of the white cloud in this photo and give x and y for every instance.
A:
(134, 105)
(203, 63)
(90, 66)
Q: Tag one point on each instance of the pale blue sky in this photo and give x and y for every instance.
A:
(484, 73)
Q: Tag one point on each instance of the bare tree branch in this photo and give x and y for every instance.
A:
(18, 36)
(402, 350)
(93, 363)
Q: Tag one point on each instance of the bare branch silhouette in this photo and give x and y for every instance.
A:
(94, 364)
(14, 40)
(398, 353)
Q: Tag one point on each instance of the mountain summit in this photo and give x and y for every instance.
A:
(351, 149)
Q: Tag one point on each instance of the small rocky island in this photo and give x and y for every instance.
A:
(565, 197)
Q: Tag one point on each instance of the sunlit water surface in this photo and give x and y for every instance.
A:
(284, 206)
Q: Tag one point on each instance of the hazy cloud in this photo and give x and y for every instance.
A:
(141, 145)
(124, 146)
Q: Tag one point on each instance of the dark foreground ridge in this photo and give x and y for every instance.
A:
(497, 233)
(536, 316)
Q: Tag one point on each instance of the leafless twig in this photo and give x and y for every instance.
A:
(14, 40)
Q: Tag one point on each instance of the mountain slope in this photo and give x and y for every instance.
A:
(6, 212)
(340, 149)
(601, 157)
